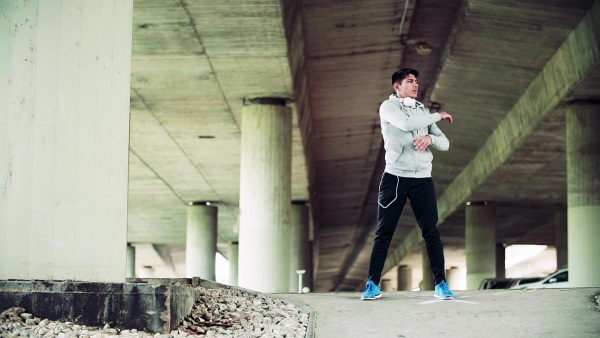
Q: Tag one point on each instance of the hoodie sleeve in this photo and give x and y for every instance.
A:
(394, 114)
(439, 141)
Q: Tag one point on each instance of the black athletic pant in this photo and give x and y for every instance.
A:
(393, 191)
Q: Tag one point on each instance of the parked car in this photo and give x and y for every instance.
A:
(496, 283)
(525, 280)
(506, 283)
(558, 279)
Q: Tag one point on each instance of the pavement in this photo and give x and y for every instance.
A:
(571, 312)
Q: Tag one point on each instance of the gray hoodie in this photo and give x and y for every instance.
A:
(401, 123)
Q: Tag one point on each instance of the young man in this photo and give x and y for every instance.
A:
(409, 131)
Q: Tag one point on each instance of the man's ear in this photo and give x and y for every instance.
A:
(396, 85)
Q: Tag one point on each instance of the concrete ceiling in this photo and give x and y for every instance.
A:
(503, 69)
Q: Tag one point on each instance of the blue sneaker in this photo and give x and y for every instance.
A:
(442, 291)
(371, 291)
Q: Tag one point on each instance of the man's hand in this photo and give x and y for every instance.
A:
(422, 143)
(446, 116)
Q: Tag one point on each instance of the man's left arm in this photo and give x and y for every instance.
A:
(439, 141)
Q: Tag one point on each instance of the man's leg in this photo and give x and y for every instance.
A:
(421, 194)
(391, 200)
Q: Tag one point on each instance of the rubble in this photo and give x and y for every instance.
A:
(217, 313)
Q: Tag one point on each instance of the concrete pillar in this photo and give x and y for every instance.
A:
(310, 266)
(130, 261)
(500, 260)
(480, 243)
(562, 254)
(298, 244)
(583, 193)
(233, 263)
(427, 283)
(455, 278)
(65, 69)
(148, 271)
(404, 278)
(265, 195)
(201, 241)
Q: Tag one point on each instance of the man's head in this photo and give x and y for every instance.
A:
(405, 82)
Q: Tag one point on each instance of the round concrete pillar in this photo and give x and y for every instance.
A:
(233, 263)
(456, 278)
(480, 243)
(298, 244)
(265, 196)
(427, 283)
(583, 193)
(130, 261)
(309, 265)
(147, 271)
(500, 260)
(562, 237)
(201, 241)
(404, 278)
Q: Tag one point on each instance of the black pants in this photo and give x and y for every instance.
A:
(393, 191)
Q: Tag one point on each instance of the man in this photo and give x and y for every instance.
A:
(409, 131)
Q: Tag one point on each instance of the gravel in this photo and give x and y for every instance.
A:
(217, 313)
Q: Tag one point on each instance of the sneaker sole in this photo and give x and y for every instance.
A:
(444, 298)
(372, 298)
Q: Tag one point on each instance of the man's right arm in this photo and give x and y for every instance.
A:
(394, 114)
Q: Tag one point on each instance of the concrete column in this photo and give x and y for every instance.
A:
(233, 263)
(500, 260)
(310, 266)
(480, 243)
(201, 241)
(265, 195)
(65, 69)
(147, 271)
(562, 254)
(455, 278)
(427, 283)
(298, 244)
(583, 193)
(130, 261)
(404, 278)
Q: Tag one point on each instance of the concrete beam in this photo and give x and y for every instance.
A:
(574, 60)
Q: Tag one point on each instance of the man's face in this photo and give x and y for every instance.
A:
(408, 88)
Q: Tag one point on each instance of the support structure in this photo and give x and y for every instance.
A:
(130, 261)
(404, 278)
(455, 278)
(65, 74)
(233, 263)
(500, 260)
(201, 241)
(480, 243)
(265, 195)
(298, 243)
(562, 240)
(583, 193)
(427, 283)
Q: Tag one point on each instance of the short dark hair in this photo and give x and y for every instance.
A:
(401, 74)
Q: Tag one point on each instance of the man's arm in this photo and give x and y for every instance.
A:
(439, 141)
(392, 113)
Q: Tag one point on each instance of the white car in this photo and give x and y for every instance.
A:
(558, 279)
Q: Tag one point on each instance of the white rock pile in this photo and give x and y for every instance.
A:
(217, 313)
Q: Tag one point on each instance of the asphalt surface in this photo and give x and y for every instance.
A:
(477, 313)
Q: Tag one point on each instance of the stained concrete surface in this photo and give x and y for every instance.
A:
(481, 313)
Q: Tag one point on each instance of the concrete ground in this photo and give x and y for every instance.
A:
(477, 313)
